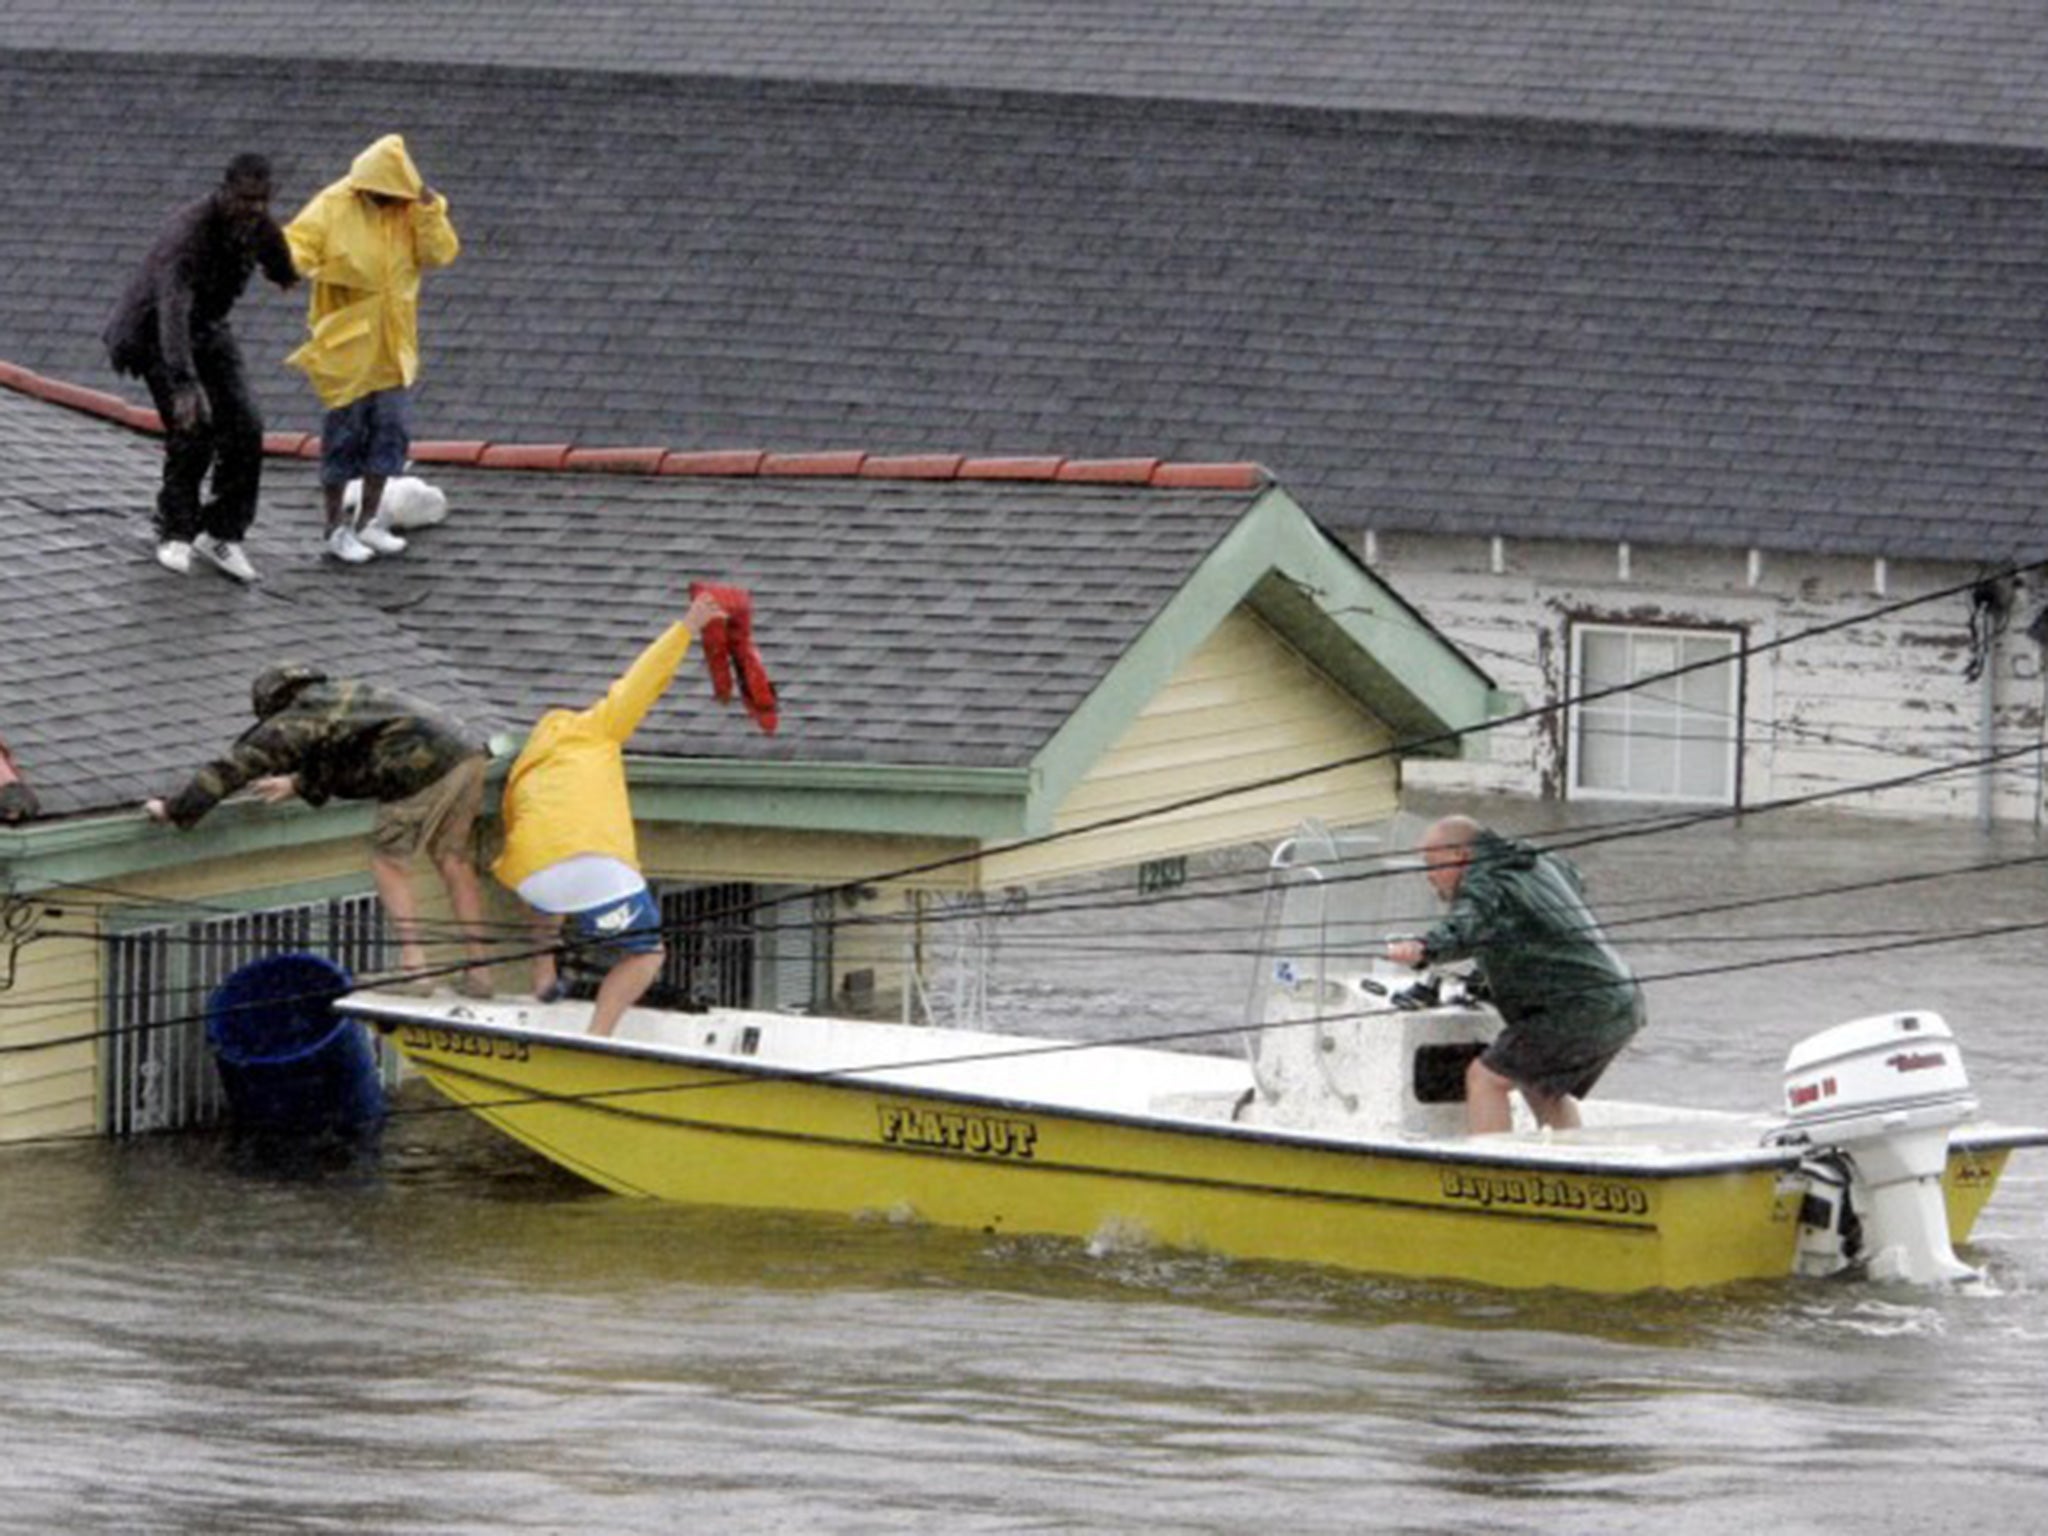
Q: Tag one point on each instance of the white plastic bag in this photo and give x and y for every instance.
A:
(408, 502)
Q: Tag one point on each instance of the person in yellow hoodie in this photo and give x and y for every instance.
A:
(570, 851)
(364, 241)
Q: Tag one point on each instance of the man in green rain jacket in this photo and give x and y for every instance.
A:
(1569, 1002)
(320, 738)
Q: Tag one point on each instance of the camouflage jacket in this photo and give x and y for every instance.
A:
(342, 739)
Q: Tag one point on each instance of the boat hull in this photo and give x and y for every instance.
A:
(648, 1124)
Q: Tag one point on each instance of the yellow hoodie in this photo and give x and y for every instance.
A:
(365, 264)
(566, 794)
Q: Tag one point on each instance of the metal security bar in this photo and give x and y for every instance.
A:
(711, 932)
(740, 945)
(158, 1068)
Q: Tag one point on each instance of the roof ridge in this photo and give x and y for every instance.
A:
(854, 463)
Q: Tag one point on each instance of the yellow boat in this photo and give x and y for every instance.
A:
(1336, 1137)
(1333, 1143)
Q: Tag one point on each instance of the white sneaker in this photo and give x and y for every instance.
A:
(175, 555)
(343, 544)
(377, 534)
(226, 554)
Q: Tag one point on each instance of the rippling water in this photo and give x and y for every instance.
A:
(439, 1333)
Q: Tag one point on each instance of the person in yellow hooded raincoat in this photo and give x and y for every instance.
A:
(364, 241)
(570, 850)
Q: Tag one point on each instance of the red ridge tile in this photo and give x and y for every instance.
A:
(731, 461)
(524, 456)
(449, 450)
(1223, 476)
(1211, 477)
(80, 398)
(834, 462)
(1109, 471)
(912, 466)
(1039, 467)
(616, 461)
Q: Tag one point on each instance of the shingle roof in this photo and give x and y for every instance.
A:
(1447, 323)
(1943, 70)
(907, 621)
(117, 678)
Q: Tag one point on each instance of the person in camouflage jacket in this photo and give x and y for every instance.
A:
(318, 738)
(1568, 1001)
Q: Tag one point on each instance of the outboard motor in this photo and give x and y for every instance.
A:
(1883, 1092)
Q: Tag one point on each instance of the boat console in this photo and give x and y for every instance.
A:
(1373, 1054)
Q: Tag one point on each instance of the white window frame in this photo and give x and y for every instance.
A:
(1626, 705)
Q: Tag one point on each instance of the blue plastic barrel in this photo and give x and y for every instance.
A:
(286, 1059)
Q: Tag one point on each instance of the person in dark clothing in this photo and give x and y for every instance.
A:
(319, 739)
(171, 330)
(1568, 1001)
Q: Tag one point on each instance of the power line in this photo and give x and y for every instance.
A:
(1650, 825)
(1448, 736)
(1654, 824)
(1183, 1036)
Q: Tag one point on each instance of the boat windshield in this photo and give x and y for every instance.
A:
(1332, 901)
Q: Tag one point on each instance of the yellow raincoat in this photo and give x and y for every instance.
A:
(365, 263)
(566, 793)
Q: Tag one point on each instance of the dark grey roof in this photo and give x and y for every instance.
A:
(905, 622)
(1441, 323)
(1948, 70)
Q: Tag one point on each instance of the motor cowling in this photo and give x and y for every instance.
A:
(1884, 1093)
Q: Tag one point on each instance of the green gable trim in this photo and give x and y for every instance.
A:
(914, 800)
(103, 848)
(893, 799)
(1325, 603)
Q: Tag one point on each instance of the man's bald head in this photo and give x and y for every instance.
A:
(1446, 850)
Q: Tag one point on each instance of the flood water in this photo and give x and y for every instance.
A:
(441, 1334)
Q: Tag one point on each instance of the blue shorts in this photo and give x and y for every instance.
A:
(370, 436)
(629, 926)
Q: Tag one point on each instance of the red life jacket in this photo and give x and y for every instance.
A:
(729, 650)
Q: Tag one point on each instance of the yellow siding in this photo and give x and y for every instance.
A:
(1245, 707)
(794, 858)
(49, 1082)
(58, 981)
(222, 881)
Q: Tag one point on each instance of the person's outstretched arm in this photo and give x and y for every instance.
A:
(625, 704)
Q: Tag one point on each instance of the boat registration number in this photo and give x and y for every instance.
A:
(455, 1042)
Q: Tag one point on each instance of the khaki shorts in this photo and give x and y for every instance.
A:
(438, 818)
